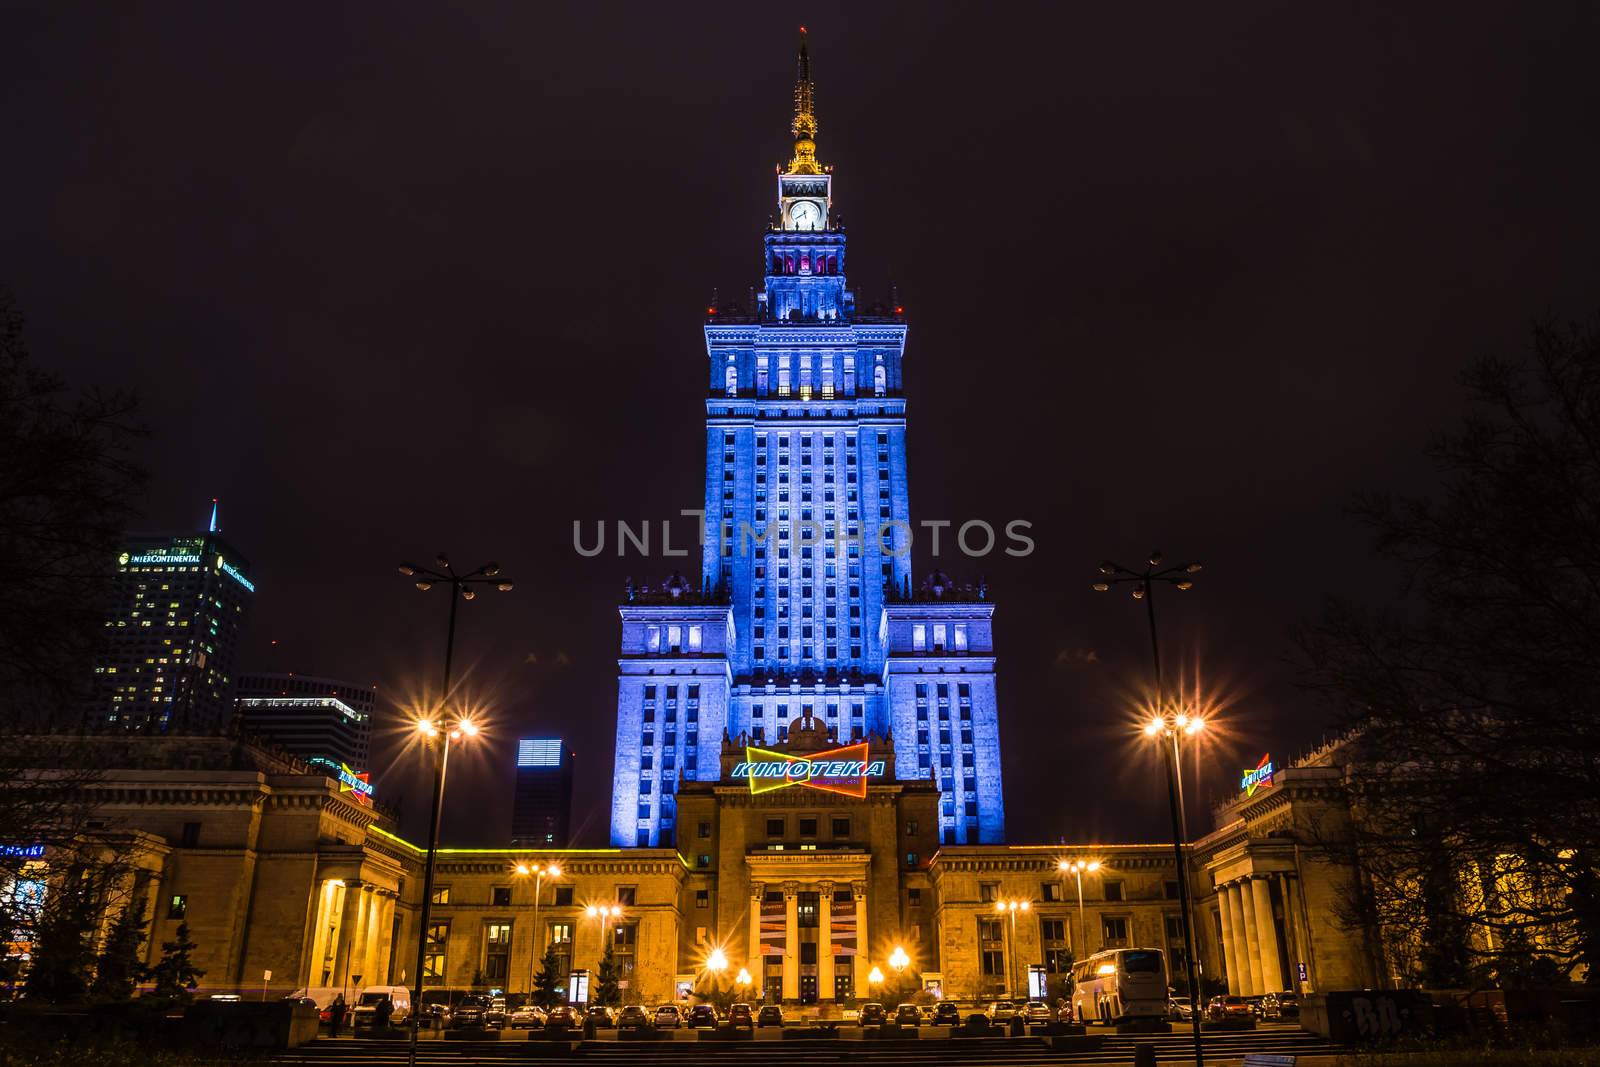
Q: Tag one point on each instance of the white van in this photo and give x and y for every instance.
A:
(364, 1013)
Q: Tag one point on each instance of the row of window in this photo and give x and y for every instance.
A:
(500, 895)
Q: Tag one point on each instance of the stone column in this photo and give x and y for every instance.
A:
(825, 941)
(361, 938)
(754, 960)
(1267, 934)
(1252, 938)
(791, 941)
(348, 916)
(863, 988)
(1230, 958)
(1239, 948)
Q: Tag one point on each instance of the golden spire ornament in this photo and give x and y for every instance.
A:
(804, 125)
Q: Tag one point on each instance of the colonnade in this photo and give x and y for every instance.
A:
(350, 943)
(826, 963)
(1250, 936)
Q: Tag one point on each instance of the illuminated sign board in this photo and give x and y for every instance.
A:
(233, 572)
(157, 558)
(349, 781)
(539, 752)
(28, 851)
(1257, 777)
(838, 770)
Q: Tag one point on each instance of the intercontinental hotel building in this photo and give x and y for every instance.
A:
(807, 770)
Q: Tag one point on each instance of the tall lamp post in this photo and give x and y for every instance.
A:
(899, 961)
(1077, 867)
(437, 738)
(1011, 907)
(1181, 577)
(540, 872)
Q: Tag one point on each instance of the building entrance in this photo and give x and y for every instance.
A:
(808, 989)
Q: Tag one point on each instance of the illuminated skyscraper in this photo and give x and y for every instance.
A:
(541, 812)
(314, 718)
(171, 637)
(805, 604)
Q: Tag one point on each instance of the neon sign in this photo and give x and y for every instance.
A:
(349, 781)
(27, 851)
(157, 558)
(233, 572)
(1258, 777)
(838, 770)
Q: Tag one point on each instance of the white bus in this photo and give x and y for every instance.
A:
(1124, 983)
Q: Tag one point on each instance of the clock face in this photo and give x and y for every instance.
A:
(805, 215)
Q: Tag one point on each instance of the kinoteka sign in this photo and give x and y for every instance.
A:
(839, 770)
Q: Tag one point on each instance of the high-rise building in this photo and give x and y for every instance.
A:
(313, 718)
(541, 811)
(171, 636)
(805, 605)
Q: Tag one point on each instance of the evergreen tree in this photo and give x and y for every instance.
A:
(549, 988)
(608, 988)
(175, 973)
(63, 948)
(120, 967)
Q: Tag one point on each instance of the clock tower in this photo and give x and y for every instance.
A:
(805, 189)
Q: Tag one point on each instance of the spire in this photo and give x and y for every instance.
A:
(804, 125)
(216, 527)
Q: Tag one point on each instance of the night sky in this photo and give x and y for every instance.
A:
(393, 278)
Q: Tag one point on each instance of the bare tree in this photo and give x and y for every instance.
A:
(1475, 700)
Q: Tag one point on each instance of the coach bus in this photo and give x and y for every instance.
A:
(1123, 983)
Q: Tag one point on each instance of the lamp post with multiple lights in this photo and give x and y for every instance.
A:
(1168, 723)
(899, 961)
(1011, 907)
(436, 738)
(1077, 867)
(539, 871)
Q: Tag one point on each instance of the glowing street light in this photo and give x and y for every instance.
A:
(875, 978)
(429, 730)
(1173, 725)
(1011, 907)
(539, 872)
(742, 979)
(1077, 867)
(717, 962)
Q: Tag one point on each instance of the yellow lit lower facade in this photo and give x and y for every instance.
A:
(808, 892)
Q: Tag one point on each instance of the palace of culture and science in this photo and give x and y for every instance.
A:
(806, 608)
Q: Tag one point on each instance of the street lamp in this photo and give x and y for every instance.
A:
(743, 979)
(874, 981)
(605, 913)
(1011, 907)
(430, 732)
(1171, 723)
(1077, 867)
(899, 961)
(540, 872)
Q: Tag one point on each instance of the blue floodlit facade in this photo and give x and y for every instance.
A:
(805, 604)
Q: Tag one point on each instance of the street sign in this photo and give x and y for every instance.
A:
(1303, 972)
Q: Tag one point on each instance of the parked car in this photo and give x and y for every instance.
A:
(1179, 1009)
(633, 1017)
(562, 1016)
(1230, 1006)
(740, 1014)
(527, 1017)
(1269, 1007)
(1002, 1011)
(908, 1015)
(1289, 1005)
(497, 1013)
(366, 1013)
(1036, 1013)
(668, 1017)
(472, 1013)
(601, 1016)
(945, 1013)
(872, 1014)
(770, 1015)
(1064, 1012)
(703, 1015)
(435, 1016)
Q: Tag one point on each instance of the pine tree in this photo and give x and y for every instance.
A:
(608, 987)
(63, 949)
(175, 973)
(120, 967)
(549, 988)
